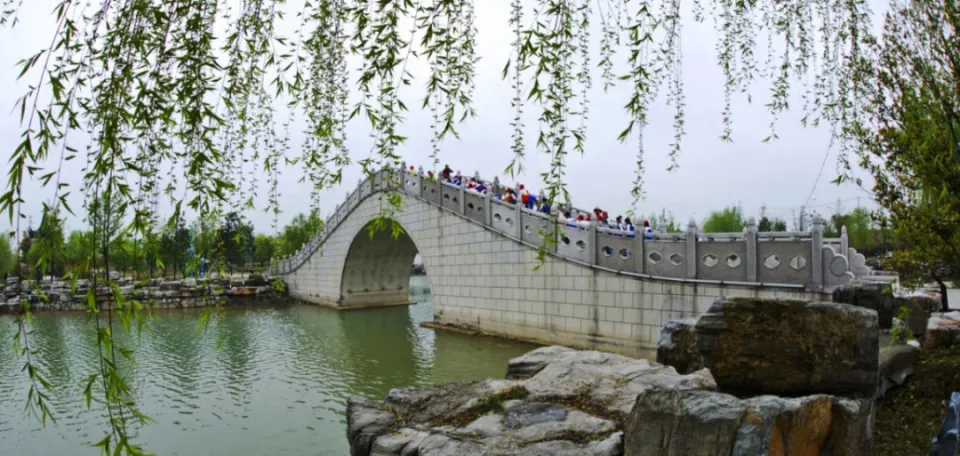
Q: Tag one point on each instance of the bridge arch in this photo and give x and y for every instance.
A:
(376, 270)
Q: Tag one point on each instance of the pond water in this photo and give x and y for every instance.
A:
(276, 385)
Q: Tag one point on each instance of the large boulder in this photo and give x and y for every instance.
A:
(871, 295)
(896, 364)
(677, 346)
(567, 402)
(708, 423)
(768, 346)
(943, 330)
(918, 310)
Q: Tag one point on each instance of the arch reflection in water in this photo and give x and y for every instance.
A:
(278, 384)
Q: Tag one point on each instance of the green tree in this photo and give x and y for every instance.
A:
(7, 258)
(46, 251)
(264, 247)
(300, 230)
(727, 220)
(236, 238)
(909, 132)
(174, 243)
(78, 249)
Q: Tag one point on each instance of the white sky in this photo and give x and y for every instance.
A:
(712, 173)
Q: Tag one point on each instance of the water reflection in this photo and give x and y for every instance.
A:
(277, 385)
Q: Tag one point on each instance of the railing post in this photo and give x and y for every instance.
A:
(844, 241)
(592, 243)
(518, 211)
(463, 204)
(488, 207)
(816, 254)
(420, 182)
(692, 259)
(751, 240)
(639, 257)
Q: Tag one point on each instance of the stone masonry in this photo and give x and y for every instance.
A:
(483, 280)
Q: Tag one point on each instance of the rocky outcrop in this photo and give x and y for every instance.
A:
(896, 364)
(677, 346)
(918, 310)
(157, 293)
(943, 330)
(763, 346)
(708, 423)
(870, 295)
(566, 402)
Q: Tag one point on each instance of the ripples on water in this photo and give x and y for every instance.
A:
(277, 385)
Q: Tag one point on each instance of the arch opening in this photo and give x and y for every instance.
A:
(377, 269)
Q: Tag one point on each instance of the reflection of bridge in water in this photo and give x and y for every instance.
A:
(596, 288)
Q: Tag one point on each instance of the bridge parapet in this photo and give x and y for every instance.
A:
(801, 258)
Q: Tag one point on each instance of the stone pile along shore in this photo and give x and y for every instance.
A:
(157, 293)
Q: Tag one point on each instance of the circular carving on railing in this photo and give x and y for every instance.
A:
(654, 257)
(625, 254)
(581, 245)
(480, 209)
(565, 240)
(607, 250)
(797, 263)
(470, 206)
(497, 217)
(733, 261)
(837, 266)
(446, 196)
(676, 259)
(710, 260)
(455, 199)
(772, 261)
(509, 221)
(527, 229)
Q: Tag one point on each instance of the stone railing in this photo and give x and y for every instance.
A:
(750, 257)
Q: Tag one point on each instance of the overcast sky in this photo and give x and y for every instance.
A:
(712, 174)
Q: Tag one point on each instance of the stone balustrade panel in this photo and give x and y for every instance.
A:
(665, 258)
(784, 262)
(503, 217)
(451, 197)
(431, 191)
(722, 260)
(474, 207)
(534, 228)
(616, 251)
(574, 243)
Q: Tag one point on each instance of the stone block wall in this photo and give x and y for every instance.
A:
(483, 280)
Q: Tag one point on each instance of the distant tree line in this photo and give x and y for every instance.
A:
(169, 250)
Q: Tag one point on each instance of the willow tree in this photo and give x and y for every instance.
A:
(189, 89)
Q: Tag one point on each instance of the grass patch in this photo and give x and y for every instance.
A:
(910, 416)
(488, 403)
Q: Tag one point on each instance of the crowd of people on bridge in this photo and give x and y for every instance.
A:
(567, 216)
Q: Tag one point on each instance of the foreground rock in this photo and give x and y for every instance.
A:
(897, 362)
(765, 346)
(870, 295)
(565, 402)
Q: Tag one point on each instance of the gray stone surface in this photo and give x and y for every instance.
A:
(871, 295)
(896, 364)
(667, 422)
(574, 404)
(761, 346)
(677, 346)
(919, 309)
(943, 330)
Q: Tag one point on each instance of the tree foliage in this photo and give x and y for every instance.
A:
(190, 87)
(727, 220)
(767, 224)
(910, 132)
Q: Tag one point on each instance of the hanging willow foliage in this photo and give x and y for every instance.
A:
(179, 97)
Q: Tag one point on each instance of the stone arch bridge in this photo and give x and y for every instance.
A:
(595, 289)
